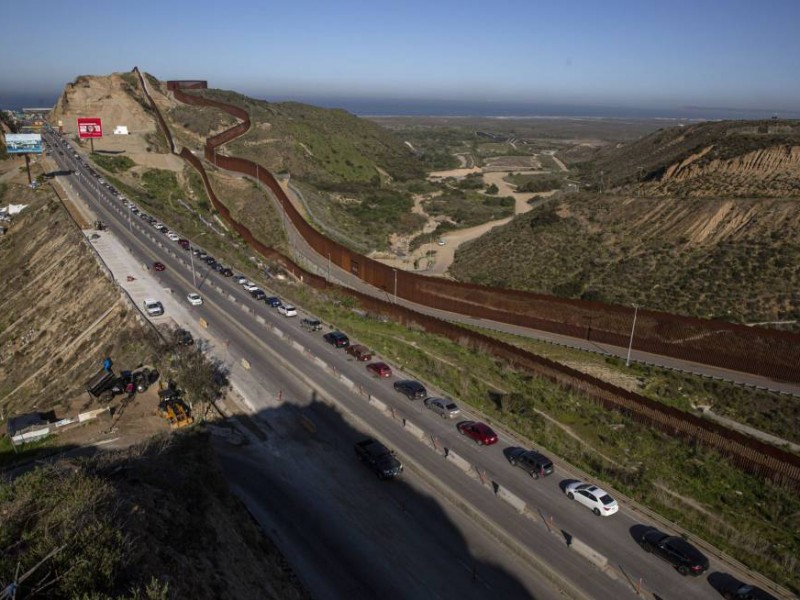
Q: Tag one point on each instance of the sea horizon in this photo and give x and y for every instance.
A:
(404, 107)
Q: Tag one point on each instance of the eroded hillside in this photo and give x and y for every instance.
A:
(61, 315)
(732, 259)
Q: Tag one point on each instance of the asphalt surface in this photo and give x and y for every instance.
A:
(324, 508)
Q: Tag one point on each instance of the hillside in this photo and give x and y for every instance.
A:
(319, 145)
(61, 315)
(729, 158)
(155, 521)
(730, 259)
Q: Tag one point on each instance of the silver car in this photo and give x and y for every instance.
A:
(443, 407)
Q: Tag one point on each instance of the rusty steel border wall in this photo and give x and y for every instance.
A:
(754, 350)
(748, 454)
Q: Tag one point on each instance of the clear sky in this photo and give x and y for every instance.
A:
(643, 53)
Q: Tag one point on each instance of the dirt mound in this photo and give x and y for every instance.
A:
(117, 100)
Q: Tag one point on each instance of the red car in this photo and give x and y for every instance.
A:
(480, 432)
(157, 266)
(380, 369)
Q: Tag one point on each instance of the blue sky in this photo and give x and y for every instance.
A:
(644, 53)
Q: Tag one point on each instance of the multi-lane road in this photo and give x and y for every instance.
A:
(435, 533)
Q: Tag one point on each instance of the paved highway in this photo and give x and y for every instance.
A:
(386, 553)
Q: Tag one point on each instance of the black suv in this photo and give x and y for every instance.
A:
(675, 550)
(258, 294)
(337, 339)
(534, 464)
(413, 390)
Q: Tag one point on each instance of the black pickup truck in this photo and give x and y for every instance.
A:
(378, 458)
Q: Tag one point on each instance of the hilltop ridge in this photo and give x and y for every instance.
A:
(725, 158)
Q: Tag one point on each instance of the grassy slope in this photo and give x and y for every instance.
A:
(649, 251)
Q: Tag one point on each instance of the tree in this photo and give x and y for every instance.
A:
(492, 189)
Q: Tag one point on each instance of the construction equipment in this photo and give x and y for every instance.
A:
(172, 407)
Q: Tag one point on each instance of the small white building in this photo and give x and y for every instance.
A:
(121, 130)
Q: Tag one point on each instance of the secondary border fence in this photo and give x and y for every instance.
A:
(747, 453)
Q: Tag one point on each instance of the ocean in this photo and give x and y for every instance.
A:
(385, 107)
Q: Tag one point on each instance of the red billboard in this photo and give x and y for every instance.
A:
(90, 127)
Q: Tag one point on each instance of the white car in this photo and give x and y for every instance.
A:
(250, 286)
(173, 236)
(592, 497)
(153, 307)
(194, 299)
(441, 242)
(240, 279)
(287, 310)
(443, 407)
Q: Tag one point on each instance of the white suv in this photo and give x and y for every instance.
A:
(153, 307)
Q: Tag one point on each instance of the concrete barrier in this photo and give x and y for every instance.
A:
(260, 319)
(279, 333)
(589, 553)
(31, 436)
(381, 406)
(92, 414)
(245, 308)
(515, 501)
(320, 362)
(231, 297)
(245, 364)
(413, 429)
(348, 382)
(298, 346)
(218, 288)
(461, 463)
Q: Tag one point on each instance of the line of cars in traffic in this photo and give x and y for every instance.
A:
(683, 556)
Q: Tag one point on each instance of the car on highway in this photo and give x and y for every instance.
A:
(157, 266)
(240, 279)
(153, 307)
(209, 259)
(447, 409)
(258, 294)
(337, 339)
(273, 301)
(686, 559)
(250, 286)
(311, 324)
(532, 462)
(226, 272)
(481, 433)
(413, 390)
(173, 236)
(379, 369)
(194, 299)
(359, 352)
(746, 592)
(287, 310)
(592, 497)
(183, 243)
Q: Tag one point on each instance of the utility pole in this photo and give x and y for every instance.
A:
(633, 328)
(191, 260)
(395, 285)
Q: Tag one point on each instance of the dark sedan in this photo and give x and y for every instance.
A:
(687, 559)
(413, 390)
(337, 339)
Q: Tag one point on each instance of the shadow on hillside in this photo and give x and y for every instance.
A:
(346, 533)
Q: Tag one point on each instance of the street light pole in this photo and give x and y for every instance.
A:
(633, 328)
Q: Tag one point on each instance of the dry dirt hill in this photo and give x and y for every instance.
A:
(118, 100)
(743, 159)
(61, 315)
